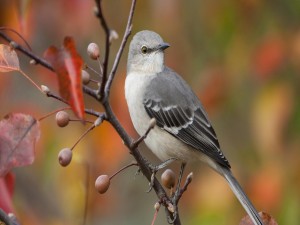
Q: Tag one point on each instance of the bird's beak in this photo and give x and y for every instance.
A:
(163, 46)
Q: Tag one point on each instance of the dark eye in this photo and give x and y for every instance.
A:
(144, 49)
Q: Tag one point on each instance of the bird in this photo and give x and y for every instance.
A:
(183, 130)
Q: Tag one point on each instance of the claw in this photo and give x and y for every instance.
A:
(137, 173)
(152, 181)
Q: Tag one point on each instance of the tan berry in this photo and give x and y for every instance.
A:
(85, 76)
(102, 183)
(45, 89)
(157, 206)
(62, 118)
(65, 156)
(93, 51)
(168, 178)
(113, 35)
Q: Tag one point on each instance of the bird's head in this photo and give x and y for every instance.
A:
(146, 52)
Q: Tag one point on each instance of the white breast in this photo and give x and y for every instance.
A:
(134, 92)
(160, 142)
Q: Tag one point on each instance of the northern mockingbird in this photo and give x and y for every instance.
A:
(183, 130)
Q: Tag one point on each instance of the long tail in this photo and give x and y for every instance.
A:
(242, 197)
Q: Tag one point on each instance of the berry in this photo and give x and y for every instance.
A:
(45, 89)
(65, 156)
(85, 76)
(113, 35)
(62, 118)
(93, 51)
(156, 206)
(102, 183)
(168, 178)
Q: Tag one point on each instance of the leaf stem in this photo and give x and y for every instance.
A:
(31, 81)
(53, 112)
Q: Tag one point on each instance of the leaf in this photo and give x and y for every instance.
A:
(67, 64)
(7, 184)
(9, 60)
(18, 135)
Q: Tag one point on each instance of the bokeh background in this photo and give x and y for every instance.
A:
(242, 58)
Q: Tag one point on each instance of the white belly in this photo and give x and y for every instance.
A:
(160, 142)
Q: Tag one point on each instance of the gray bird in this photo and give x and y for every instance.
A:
(183, 130)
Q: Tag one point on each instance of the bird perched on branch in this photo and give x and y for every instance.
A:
(183, 130)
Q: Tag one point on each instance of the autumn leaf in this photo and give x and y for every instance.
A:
(18, 135)
(7, 184)
(9, 60)
(67, 63)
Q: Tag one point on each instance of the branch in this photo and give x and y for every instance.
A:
(6, 219)
(29, 53)
(106, 29)
(142, 162)
(185, 186)
(91, 92)
(136, 143)
(121, 49)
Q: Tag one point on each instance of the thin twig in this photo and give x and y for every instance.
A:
(93, 70)
(96, 113)
(79, 120)
(123, 168)
(5, 218)
(18, 34)
(30, 80)
(82, 136)
(100, 67)
(26, 52)
(52, 95)
(53, 112)
(121, 49)
(185, 186)
(136, 143)
(91, 92)
(107, 46)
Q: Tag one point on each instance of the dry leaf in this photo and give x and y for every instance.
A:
(18, 135)
(9, 60)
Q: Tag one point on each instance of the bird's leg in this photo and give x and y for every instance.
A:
(155, 169)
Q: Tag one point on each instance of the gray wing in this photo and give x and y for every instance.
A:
(178, 111)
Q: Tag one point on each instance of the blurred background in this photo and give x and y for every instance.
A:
(242, 58)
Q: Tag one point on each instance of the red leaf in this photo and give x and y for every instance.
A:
(67, 63)
(7, 184)
(18, 135)
(9, 60)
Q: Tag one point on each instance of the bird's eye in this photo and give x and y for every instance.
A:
(144, 49)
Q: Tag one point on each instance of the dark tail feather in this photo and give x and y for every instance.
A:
(242, 197)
